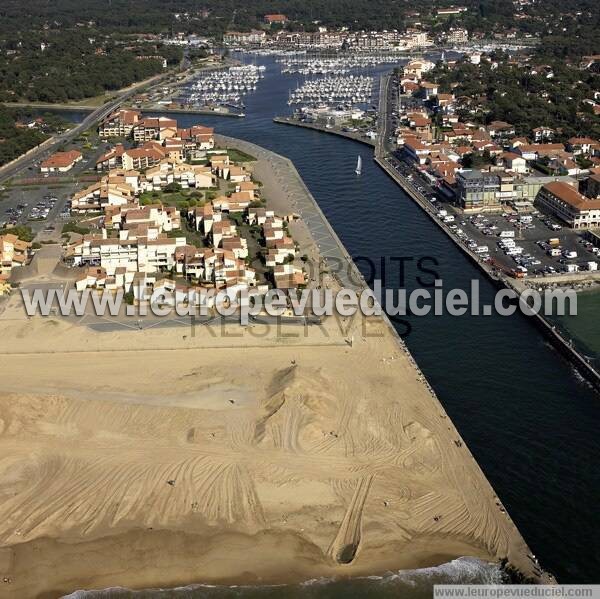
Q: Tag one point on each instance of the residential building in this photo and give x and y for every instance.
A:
(150, 128)
(565, 202)
(119, 124)
(583, 145)
(142, 158)
(513, 162)
(541, 134)
(478, 190)
(275, 18)
(244, 38)
(13, 252)
(457, 36)
(134, 255)
(61, 162)
(106, 192)
(197, 137)
(111, 159)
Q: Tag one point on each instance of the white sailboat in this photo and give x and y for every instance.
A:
(358, 170)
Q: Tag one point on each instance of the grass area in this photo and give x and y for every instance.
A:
(22, 232)
(192, 237)
(182, 199)
(239, 156)
(74, 227)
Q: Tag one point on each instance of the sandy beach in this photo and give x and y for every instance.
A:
(144, 459)
(163, 457)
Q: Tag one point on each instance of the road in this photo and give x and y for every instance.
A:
(90, 120)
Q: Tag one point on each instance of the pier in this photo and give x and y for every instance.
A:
(285, 120)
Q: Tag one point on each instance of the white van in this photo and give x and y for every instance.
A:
(449, 218)
(482, 249)
(505, 234)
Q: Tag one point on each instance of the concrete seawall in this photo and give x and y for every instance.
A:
(346, 134)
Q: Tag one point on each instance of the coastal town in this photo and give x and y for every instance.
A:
(503, 184)
(140, 238)
(177, 165)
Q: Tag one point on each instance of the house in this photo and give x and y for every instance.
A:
(13, 252)
(416, 150)
(565, 202)
(61, 162)
(429, 89)
(541, 134)
(500, 129)
(288, 276)
(582, 145)
(416, 68)
(513, 162)
(259, 216)
(536, 151)
(451, 10)
(445, 101)
(92, 276)
(275, 18)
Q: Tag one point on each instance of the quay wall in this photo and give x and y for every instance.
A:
(554, 336)
(347, 134)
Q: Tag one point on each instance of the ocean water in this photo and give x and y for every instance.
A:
(417, 584)
(530, 420)
(584, 329)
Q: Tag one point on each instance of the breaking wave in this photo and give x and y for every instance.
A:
(414, 584)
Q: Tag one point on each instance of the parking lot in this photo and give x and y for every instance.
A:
(41, 201)
(531, 244)
(43, 208)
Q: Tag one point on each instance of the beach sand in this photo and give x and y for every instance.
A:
(156, 458)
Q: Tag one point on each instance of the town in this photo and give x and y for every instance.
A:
(171, 210)
(495, 178)
(282, 282)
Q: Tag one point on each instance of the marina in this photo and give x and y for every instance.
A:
(226, 88)
(350, 90)
(325, 65)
